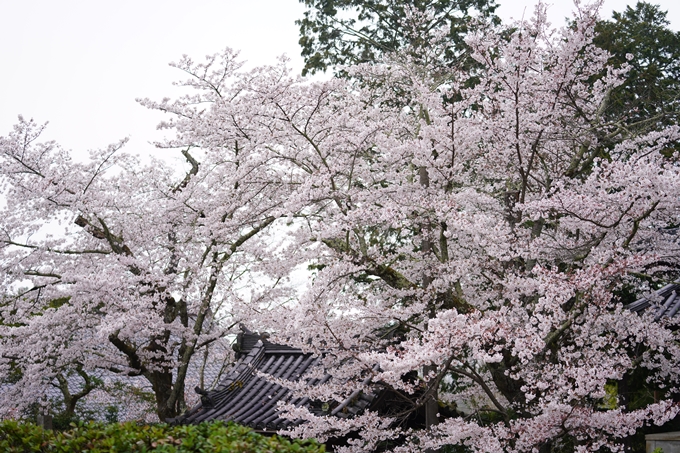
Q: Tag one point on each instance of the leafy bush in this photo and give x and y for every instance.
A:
(19, 437)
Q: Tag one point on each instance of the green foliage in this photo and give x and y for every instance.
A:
(56, 303)
(111, 414)
(343, 32)
(611, 400)
(640, 37)
(18, 437)
(62, 421)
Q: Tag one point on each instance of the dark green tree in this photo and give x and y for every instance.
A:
(648, 98)
(341, 32)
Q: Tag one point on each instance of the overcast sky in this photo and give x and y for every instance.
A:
(80, 64)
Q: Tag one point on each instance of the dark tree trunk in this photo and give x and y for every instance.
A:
(161, 384)
(624, 400)
(432, 404)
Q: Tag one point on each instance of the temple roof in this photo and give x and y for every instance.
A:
(247, 398)
(665, 302)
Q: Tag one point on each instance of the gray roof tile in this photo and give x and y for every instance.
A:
(665, 302)
(245, 397)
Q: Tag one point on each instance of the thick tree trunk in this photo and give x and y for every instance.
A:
(161, 383)
(624, 400)
(431, 405)
(510, 388)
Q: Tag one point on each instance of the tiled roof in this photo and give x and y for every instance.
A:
(245, 397)
(665, 302)
(249, 399)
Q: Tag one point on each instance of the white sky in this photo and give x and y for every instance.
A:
(80, 64)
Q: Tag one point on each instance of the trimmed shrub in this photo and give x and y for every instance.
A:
(20, 437)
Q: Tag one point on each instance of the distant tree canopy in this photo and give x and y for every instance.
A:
(344, 32)
(334, 33)
(640, 37)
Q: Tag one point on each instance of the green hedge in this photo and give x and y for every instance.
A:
(20, 437)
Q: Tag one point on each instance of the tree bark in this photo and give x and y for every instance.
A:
(161, 384)
(431, 405)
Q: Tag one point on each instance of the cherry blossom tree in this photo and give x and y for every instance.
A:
(127, 266)
(481, 237)
(468, 245)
